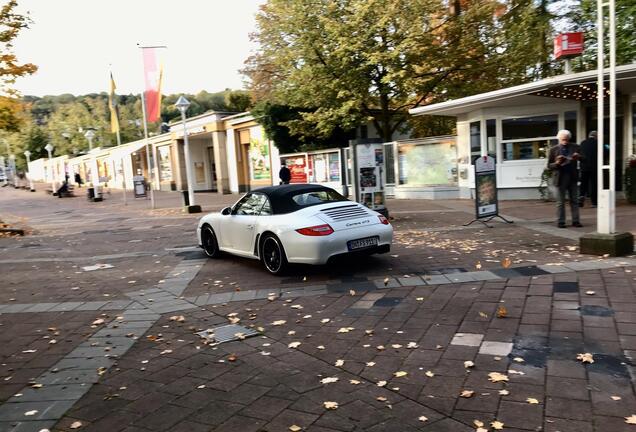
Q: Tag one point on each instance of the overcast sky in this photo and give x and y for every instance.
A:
(74, 41)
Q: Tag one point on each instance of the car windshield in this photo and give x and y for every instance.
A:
(307, 199)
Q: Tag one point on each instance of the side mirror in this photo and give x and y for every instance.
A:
(226, 211)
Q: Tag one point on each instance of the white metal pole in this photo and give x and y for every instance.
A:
(90, 143)
(602, 212)
(51, 172)
(28, 158)
(187, 160)
(143, 111)
(612, 115)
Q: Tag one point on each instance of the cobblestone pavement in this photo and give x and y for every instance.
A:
(92, 347)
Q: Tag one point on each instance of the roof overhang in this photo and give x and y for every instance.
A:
(523, 94)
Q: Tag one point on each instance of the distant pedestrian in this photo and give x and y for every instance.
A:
(589, 169)
(284, 174)
(562, 162)
(78, 180)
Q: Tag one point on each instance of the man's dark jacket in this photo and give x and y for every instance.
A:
(589, 151)
(284, 174)
(556, 169)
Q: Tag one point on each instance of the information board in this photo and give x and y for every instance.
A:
(370, 163)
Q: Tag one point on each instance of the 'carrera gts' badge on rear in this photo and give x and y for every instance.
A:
(350, 224)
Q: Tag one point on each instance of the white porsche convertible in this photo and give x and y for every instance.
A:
(298, 223)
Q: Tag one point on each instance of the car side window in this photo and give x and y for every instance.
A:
(251, 205)
(266, 210)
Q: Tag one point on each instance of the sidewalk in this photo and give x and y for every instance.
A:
(386, 339)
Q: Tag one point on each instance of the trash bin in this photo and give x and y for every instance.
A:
(90, 193)
(186, 198)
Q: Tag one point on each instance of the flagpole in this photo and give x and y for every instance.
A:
(123, 169)
(143, 111)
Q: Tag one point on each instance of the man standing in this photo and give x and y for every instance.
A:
(284, 174)
(562, 162)
(589, 168)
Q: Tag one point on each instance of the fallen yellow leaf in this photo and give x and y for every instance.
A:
(400, 374)
(466, 393)
(532, 401)
(497, 377)
(497, 425)
(585, 357)
(330, 405)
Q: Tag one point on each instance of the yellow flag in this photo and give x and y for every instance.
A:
(112, 105)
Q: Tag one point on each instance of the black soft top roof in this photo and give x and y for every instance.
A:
(280, 197)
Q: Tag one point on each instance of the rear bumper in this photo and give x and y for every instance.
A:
(320, 250)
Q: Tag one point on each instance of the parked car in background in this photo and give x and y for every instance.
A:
(297, 223)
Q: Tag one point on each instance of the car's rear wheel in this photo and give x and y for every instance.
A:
(209, 243)
(273, 255)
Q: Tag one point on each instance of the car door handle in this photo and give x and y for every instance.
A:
(250, 227)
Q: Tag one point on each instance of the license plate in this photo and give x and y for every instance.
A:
(362, 243)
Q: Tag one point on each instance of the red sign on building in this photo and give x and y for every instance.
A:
(568, 45)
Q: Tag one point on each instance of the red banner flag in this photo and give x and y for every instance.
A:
(152, 77)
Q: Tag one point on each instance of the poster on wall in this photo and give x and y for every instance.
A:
(260, 168)
(165, 167)
(485, 187)
(298, 168)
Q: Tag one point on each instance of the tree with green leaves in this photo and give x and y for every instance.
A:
(345, 63)
(11, 24)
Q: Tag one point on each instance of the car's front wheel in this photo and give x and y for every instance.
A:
(273, 255)
(209, 243)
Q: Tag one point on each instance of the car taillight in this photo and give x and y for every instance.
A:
(383, 220)
(318, 230)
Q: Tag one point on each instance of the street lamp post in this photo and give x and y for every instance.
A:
(4, 169)
(182, 105)
(49, 148)
(90, 134)
(14, 173)
(27, 154)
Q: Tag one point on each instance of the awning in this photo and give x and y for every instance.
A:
(525, 94)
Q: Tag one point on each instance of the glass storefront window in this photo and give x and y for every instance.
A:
(520, 128)
(491, 137)
(475, 140)
(165, 167)
(389, 164)
(529, 137)
(533, 149)
(431, 164)
(570, 124)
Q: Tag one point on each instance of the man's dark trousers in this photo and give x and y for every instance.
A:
(589, 185)
(567, 185)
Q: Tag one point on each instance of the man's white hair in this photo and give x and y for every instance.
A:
(564, 132)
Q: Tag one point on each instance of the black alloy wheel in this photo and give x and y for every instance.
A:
(273, 255)
(210, 245)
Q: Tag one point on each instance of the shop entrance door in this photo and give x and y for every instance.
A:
(591, 117)
(212, 168)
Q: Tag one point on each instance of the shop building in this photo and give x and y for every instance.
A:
(518, 125)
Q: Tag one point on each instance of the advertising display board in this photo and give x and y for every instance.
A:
(369, 163)
(485, 187)
(486, 201)
(139, 186)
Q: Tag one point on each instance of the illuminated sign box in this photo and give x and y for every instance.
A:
(568, 45)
